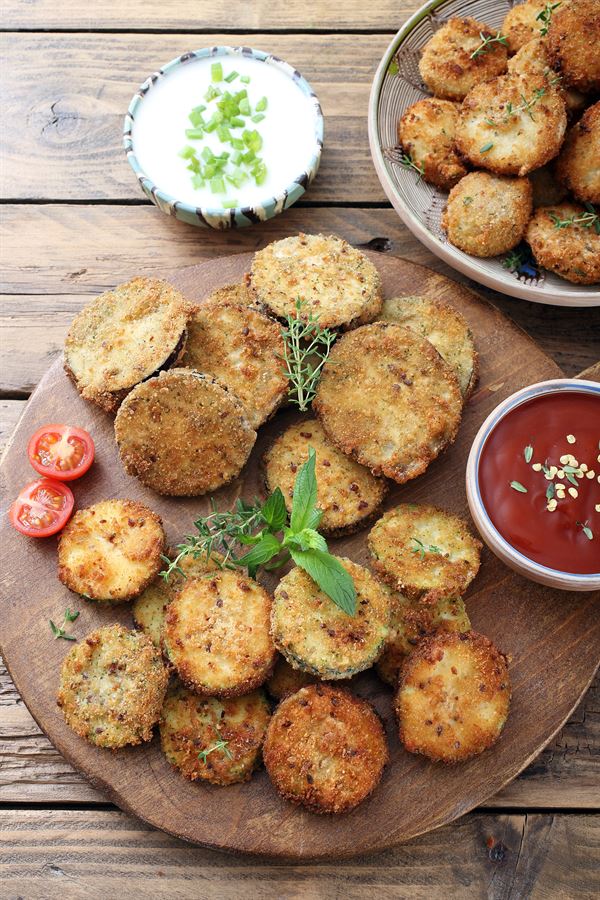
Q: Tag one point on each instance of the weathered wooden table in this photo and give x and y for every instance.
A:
(73, 224)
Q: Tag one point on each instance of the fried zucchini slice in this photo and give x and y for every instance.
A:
(426, 134)
(387, 399)
(347, 493)
(111, 551)
(325, 749)
(233, 293)
(112, 685)
(454, 697)
(285, 680)
(573, 41)
(182, 434)
(318, 637)
(211, 739)
(336, 282)
(412, 621)
(573, 252)
(424, 552)
(521, 24)
(123, 337)
(444, 327)
(487, 214)
(243, 349)
(533, 58)
(447, 65)
(513, 124)
(578, 166)
(216, 634)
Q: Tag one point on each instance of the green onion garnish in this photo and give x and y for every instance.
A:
(258, 117)
(229, 204)
(187, 152)
(211, 93)
(231, 77)
(262, 104)
(217, 185)
(198, 181)
(245, 79)
(194, 134)
(244, 106)
(216, 72)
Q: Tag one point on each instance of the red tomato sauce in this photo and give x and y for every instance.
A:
(559, 539)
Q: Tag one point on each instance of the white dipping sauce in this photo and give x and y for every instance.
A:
(161, 120)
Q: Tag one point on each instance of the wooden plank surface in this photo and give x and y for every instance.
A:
(71, 105)
(88, 249)
(53, 854)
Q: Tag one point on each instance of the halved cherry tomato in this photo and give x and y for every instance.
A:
(42, 508)
(61, 451)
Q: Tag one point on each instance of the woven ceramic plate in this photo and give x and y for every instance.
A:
(419, 204)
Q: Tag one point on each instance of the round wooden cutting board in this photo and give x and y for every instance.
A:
(553, 638)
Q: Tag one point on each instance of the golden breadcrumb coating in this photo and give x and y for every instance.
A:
(574, 42)
(112, 686)
(578, 166)
(325, 749)
(573, 252)
(233, 293)
(426, 133)
(521, 24)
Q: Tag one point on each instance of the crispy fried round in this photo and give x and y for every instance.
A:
(123, 337)
(191, 724)
(285, 680)
(578, 166)
(426, 133)
(424, 552)
(454, 697)
(242, 348)
(317, 636)
(447, 66)
(112, 686)
(325, 749)
(531, 59)
(233, 293)
(513, 124)
(444, 327)
(546, 187)
(573, 252)
(216, 634)
(412, 621)
(487, 214)
(347, 492)
(111, 551)
(183, 434)
(521, 24)
(573, 42)
(387, 398)
(336, 282)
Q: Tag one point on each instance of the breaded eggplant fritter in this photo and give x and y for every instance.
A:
(444, 327)
(513, 124)
(521, 24)
(123, 337)
(111, 551)
(453, 698)
(216, 634)
(424, 552)
(336, 282)
(573, 42)
(233, 293)
(412, 621)
(578, 166)
(191, 724)
(487, 214)
(573, 252)
(387, 398)
(447, 65)
(547, 189)
(347, 493)
(183, 434)
(242, 348)
(317, 636)
(285, 680)
(426, 134)
(325, 749)
(112, 686)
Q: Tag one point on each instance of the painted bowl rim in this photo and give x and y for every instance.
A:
(479, 513)
(203, 53)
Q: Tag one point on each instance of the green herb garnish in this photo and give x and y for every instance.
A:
(405, 160)
(589, 219)
(545, 17)
(486, 43)
(586, 530)
(517, 486)
(550, 491)
(467, 201)
(69, 616)
(306, 348)
(218, 745)
(422, 548)
(528, 453)
(486, 147)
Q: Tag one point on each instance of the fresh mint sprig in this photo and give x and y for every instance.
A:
(273, 539)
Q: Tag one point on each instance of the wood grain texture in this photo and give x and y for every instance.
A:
(71, 105)
(53, 854)
(88, 249)
(537, 624)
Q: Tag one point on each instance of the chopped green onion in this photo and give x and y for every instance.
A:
(237, 144)
(194, 134)
(249, 156)
(210, 127)
(245, 79)
(262, 104)
(217, 185)
(197, 181)
(258, 117)
(236, 122)
(207, 154)
(211, 93)
(194, 165)
(187, 152)
(245, 106)
(252, 139)
(196, 118)
(230, 204)
(216, 72)
(223, 134)
(236, 158)
(231, 77)
(240, 95)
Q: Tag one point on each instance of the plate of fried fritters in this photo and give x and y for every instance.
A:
(484, 125)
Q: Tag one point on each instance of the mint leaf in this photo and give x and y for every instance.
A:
(330, 575)
(310, 539)
(305, 494)
(314, 520)
(274, 511)
(266, 549)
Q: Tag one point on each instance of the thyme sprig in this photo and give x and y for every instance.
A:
(589, 219)
(406, 160)
(306, 348)
(486, 43)
(218, 745)
(422, 548)
(545, 17)
(69, 616)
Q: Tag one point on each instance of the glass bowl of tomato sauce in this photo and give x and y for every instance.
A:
(533, 483)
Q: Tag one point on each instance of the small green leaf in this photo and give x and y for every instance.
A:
(550, 491)
(71, 616)
(305, 494)
(309, 539)
(571, 478)
(486, 147)
(315, 518)
(274, 511)
(528, 453)
(330, 575)
(517, 486)
(266, 549)
(57, 632)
